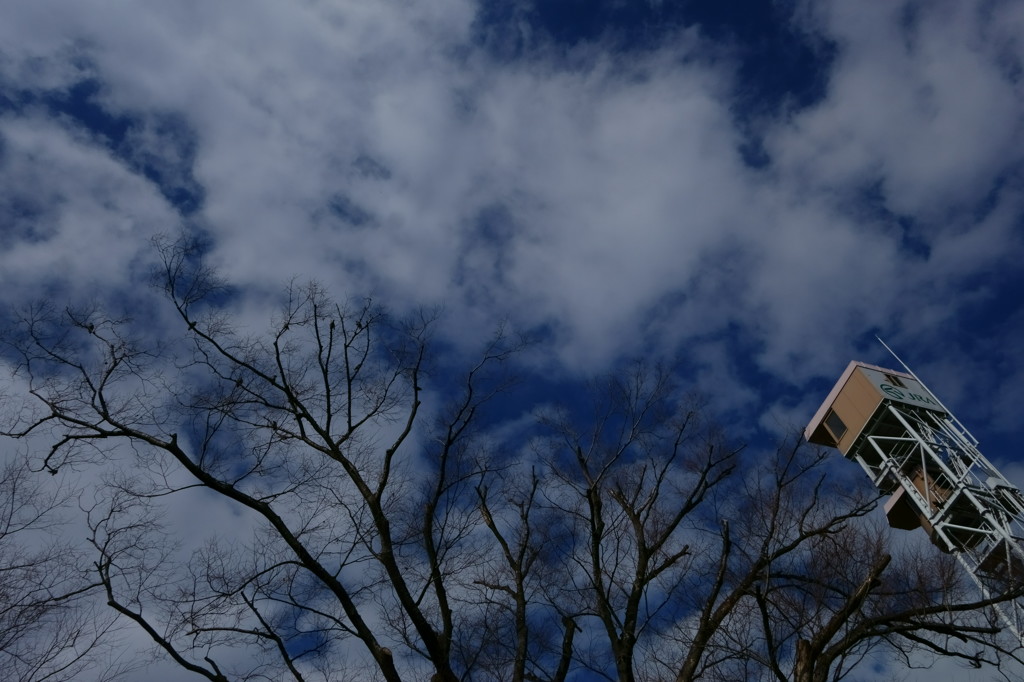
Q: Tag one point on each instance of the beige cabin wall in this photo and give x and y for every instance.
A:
(855, 405)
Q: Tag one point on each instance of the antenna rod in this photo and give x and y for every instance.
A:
(925, 387)
(893, 353)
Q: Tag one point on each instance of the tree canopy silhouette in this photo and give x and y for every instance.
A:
(390, 528)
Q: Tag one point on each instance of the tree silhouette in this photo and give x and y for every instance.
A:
(391, 532)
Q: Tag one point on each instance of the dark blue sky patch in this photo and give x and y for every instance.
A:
(999, 300)
(530, 380)
(12, 101)
(307, 644)
(1011, 179)
(910, 19)
(751, 148)
(24, 218)
(912, 239)
(190, 247)
(1008, 55)
(570, 22)
(743, 351)
(966, 362)
(79, 105)
(370, 168)
(486, 250)
(348, 211)
(779, 66)
(869, 206)
(161, 147)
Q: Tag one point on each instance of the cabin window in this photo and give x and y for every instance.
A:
(835, 425)
(895, 381)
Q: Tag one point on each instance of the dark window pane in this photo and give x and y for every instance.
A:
(835, 425)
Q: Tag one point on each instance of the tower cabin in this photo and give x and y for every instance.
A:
(913, 449)
(856, 407)
(887, 421)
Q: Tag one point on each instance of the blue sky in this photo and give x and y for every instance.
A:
(755, 187)
(751, 189)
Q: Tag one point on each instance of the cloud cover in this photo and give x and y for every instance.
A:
(620, 198)
(601, 192)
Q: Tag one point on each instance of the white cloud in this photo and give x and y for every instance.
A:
(601, 193)
(921, 99)
(72, 214)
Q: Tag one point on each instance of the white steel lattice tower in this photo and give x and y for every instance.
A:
(913, 448)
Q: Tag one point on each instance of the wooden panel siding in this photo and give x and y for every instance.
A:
(855, 398)
(855, 405)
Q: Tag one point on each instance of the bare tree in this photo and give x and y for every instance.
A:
(857, 593)
(808, 585)
(49, 626)
(390, 533)
(308, 428)
(631, 486)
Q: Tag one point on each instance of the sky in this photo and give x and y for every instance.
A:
(753, 189)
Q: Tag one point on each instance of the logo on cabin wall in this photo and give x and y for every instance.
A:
(899, 394)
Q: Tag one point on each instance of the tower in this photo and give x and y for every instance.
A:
(915, 450)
